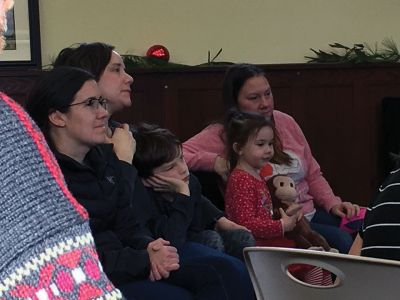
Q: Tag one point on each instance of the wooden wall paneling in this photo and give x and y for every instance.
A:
(337, 106)
(170, 114)
(328, 129)
(374, 95)
(283, 90)
(325, 112)
(147, 100)
(197, 101)
(17, 84)
(372, 87)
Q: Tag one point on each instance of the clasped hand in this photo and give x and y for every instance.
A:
(163, 259)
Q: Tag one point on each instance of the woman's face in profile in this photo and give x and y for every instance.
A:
(85, 122)
(115, 84)
(256, 96)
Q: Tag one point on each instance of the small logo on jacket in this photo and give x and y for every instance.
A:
(111, 179)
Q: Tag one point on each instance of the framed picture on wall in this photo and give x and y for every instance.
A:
(22, 37)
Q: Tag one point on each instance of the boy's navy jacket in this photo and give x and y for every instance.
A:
(105, 187)
(175, 217)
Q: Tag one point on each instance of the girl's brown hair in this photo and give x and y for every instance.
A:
(240, 126)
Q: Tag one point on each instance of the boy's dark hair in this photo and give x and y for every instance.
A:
(155, 146)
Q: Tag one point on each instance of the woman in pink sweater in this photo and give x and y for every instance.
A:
(247, 88)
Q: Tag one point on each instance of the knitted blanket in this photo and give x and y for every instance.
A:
(47, 250)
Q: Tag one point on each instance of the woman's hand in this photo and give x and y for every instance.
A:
(221, 167)
(161, 183)
(345, 209)
(124, 143)
(163, 259)
(226, 224)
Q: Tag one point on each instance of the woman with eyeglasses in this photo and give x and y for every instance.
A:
(71, 112)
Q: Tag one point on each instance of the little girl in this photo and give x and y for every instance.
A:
(251, 143)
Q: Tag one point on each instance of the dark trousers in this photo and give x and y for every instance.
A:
(204, 274)
(234, 280)
(232, 242)
(148, 290)
(327, 225)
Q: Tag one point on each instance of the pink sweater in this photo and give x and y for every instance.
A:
(201, 150)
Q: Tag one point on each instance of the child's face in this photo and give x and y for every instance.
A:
(259, 149)
(177, 168)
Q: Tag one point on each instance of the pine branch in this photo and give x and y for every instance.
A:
(359, 53)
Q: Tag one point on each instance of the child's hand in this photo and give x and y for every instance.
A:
(161, 183)
(289, 222)
(293, 208)
(226, 224)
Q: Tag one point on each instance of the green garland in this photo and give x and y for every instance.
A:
(136, 61)
(359, 53)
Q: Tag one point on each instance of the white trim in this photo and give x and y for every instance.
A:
(395, 171)
(382, 225)
(385, 203)
(390, 185)
(380, 247)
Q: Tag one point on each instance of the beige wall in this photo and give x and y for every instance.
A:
(257, 31)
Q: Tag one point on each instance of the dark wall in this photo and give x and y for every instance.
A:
(337, 106)
(17, 84)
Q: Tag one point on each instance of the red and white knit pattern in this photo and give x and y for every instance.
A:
(69, 270)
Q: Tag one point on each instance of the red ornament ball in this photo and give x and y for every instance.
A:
(158, 51)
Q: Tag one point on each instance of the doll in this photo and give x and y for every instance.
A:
(283, 193)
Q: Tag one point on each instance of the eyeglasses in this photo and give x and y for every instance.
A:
(93, 102)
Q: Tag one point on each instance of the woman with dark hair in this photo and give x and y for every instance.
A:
(107, 67)
(67, 104)
(82, 55)
(246, 88)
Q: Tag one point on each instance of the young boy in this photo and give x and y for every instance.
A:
(178, 212)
